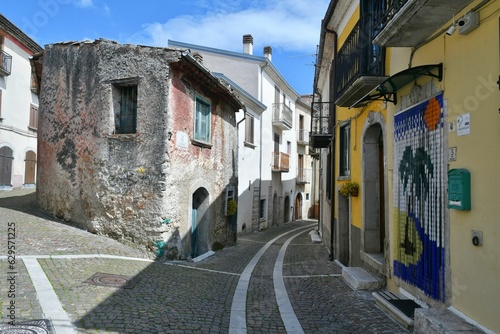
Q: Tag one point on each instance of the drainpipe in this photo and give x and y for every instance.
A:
(333, 118)
(260, 143)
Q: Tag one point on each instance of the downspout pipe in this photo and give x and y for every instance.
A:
(333, 118)
(260, 143)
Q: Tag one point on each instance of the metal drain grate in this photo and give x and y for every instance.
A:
(40, 326)
(407, 306)
(112, 280)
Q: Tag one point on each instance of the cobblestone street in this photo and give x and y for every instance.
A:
(173, 297)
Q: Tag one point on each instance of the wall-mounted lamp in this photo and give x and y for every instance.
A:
(452, 29)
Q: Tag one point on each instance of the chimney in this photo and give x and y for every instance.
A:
(248, 44)
(198, 57)
(268, 52)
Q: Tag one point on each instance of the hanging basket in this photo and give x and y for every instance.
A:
(349, 189)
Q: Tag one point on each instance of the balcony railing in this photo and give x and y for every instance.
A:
(398, 23)
(281, 162)
(303, 175)
(321, 128)
(282, 116)
(5, 63)
(360, 65)
(303, 137)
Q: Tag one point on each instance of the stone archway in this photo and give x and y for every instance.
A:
(286, 213)
(374, 188)
(200, 222)
(298, 206)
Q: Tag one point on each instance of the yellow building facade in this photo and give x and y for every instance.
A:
(415, 125)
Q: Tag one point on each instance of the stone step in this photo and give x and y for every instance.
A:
(315, 238)
(360, 279)
(442, 321)
(383, 300)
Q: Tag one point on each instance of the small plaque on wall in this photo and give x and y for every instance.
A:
(182, 140)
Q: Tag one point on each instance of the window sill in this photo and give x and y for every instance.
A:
(201, 143)
(344, 178)
(123, 136)
(248, 144)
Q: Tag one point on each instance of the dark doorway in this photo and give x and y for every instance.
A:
(200, 222)
(6, 159)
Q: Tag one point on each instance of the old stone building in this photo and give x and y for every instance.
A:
(138, 143)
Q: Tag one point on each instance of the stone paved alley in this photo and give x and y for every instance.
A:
(55, 278)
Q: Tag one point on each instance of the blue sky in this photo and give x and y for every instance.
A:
(290, 27)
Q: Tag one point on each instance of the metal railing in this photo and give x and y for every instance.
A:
(304, 175)
(387, 10)
(282, 114)
(280, 162)
(320, 122)
(5, 63)
(358, 56)
(303, 136)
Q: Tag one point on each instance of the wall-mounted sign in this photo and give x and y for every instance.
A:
(463, 124)
(182, 140)
(452, 154)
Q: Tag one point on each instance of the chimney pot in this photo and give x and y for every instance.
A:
(198, 57)
(248, 44)
(268, 52)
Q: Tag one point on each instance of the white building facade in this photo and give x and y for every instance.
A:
(18, 108)
(269, 186)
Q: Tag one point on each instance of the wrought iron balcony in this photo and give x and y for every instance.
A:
(303, 137)
(282, 116)
(281, 162)
(303, 175)
(321, 128)
(360, 65)
(405, 23)
(5, 63)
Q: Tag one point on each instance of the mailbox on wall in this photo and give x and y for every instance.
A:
(459, 189)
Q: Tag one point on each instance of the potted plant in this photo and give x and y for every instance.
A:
(232, 207)
(349, 189)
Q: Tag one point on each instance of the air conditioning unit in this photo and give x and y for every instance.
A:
(468, 22)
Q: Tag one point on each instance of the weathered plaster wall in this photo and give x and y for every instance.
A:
(110, 184)
(213, 168)
(131, 187)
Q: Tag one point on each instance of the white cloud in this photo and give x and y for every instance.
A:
(84, 3)
(284, 24)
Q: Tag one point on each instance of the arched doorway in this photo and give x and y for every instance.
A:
(6, 158)
(200, 223)
(298, 206)
(275, 209)
(287, 209)
(30, 168)
(374, 192)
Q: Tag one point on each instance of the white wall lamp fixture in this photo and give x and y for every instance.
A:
(452, 29)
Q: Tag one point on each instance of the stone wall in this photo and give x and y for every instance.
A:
(131, 187)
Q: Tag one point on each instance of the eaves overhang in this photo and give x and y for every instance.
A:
(386, 91)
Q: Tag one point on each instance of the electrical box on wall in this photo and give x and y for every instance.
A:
(459, 189)
(468, 22)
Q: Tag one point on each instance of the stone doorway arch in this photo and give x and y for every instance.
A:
(200, 222)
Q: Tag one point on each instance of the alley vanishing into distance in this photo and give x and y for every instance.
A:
(274, 281)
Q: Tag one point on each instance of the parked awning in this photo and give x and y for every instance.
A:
(387, 90)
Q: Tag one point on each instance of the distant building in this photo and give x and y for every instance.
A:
(138, 143)
(18, 108)
(273, 176)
